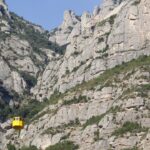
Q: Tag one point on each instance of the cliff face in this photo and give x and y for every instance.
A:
(108, 112)
(24, 53)
(116, 33)
(94, 70)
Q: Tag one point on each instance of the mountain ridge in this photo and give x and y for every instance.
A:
(84, 85)
(103, 49)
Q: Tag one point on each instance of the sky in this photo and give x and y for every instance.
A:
(49, 13)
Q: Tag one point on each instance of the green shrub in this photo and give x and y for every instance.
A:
(115, 109)
(3, 36)
(5, 110)
(66, 145)
(112, 19)
(29, 110)
(134, 148)
(29, 148)
(65, 137)
(67, 71)
(11, 147)
(101, 39)
(53, 130)
(33, 107)
(61, 128)
(102, 23)
(143, 90)
(55, 97)
(136, 2)
(30, 80)
(145, 87)
(131, 127)
(93, 120)
(96, 135)
(105, 55)
(76, 53)
(75, 69)
(75, 100)
(97, 119)
(88, 67)
(105, 49)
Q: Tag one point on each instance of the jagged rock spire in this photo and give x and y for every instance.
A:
(2, 3)
(106, 7)
(96, 10)
(3, 8)
(70, 19)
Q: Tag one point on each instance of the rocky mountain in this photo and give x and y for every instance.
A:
(94, 43)
(84, 85)
(25, 51)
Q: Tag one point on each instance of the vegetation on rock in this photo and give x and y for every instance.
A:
(66, 145)
(131, 127)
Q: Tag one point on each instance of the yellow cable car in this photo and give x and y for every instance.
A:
(17, 123)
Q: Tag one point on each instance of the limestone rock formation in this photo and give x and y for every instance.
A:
(97, 43)
(24, 54)
(87, 82)
(107, 112)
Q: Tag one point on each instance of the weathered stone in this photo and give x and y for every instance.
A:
(117, 32)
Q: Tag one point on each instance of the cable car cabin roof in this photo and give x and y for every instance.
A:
(17, 118)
